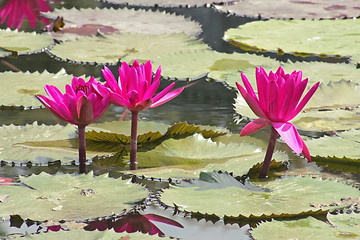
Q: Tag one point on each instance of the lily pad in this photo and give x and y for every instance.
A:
(21, 87)
(166, 3)
(324, 112)
(20, 43)
(82, 234)
(128, 47)
(190, 64)
(343, 144)
(340, 226)
(70, 197)
(299, 37)
(294, 9)
(108, 21)
(120, 131)
(39, 144)
(287, 195)
(170, 160)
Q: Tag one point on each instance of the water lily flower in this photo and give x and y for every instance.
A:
(135, 90)
(16, 10)
(80, 105)
(278, 102)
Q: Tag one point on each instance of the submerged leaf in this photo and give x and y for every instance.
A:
(80, 197)
(308, 39)
(129, 47)
(18, 43)
(291, 195)
(119, 131)
(109, 21)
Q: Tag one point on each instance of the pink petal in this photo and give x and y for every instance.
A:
(248, 86)
(110, 79)
(59, 111)
(305, 151)
(254, 126)
(69, 90)
(253, 103)
(150, 91)
(305, 100)
(163, 93)
(85, 112)
(158, 218)
(274, 108)
(167, 97)
(133, 97)
(101, 107)
(290, 135)
(148, 72)
(262, 83)
(118, 100)
(141, 106)
(157, 74)
(54, 93)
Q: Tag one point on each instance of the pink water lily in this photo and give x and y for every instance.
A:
(278, 102)
(135, 90)
(81, 104)
(16, 10)
(136, 87)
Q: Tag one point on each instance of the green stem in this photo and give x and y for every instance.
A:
(82, 149)
(133, 143)
(269, 152)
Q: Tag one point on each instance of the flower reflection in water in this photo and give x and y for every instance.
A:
(133, 222)
(16, 10)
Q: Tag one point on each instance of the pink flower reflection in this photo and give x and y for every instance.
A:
(133, 222)
(16, 10)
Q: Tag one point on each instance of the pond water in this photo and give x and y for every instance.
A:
(207, 102)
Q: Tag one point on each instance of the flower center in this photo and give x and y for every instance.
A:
(83, 88)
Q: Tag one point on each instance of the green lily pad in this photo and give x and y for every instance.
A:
(108, 21)
(289, 195)
(191, 64)
(343, 144)
(40, 144)
(129, 47)
(70, 197)
(341, 226)
(166, 3)
(170, 160)
(19, 43)
(21, 87)
(324, 112)
(120, 131)
(82, 234)
(293, 9)
(299, 37)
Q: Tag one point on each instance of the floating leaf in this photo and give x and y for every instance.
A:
(18, 43)
(299, 37)
(253, 221)
(335, 164)
(166, 3)
(170, 160)
(294, 9)
(70, 197)
(191, 64)
(342, 226)
(21, 87)
(108, 21)
(289, 195)
(128, 47)
(343, 144)
(324, 112)
(82, 234)
(39, 143)
(119, 131)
